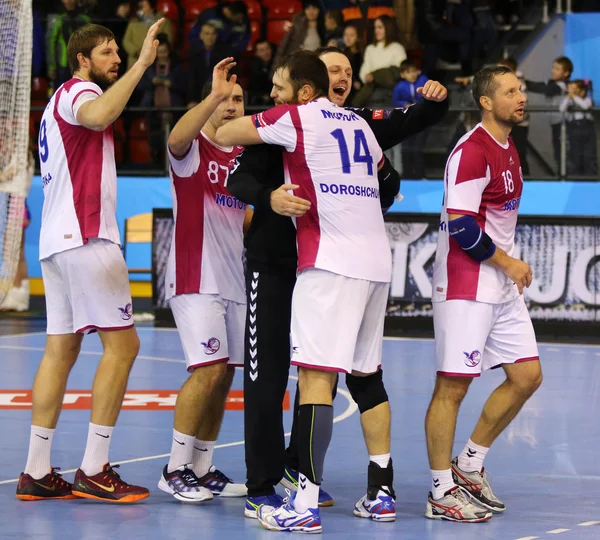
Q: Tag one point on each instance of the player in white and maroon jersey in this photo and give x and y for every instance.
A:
(480, 318)
(205, 286)
(331, 159)
(85, 277)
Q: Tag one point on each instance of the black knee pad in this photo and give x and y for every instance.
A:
(368, 392)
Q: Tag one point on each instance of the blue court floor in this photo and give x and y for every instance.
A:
(545, 466)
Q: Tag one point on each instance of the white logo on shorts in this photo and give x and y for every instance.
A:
(472, 359)
(211, 346)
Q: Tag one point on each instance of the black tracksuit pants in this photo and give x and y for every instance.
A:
(266, 370)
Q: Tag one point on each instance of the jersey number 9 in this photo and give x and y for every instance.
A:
(43, 143)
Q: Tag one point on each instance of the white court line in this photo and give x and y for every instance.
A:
(588, 523)
(557, 531)
(528, 538)
(94, 353)
(350, 410)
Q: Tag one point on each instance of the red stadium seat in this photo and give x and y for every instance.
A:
(119, 155)
(254, 10)
(255, 32)
(283, 11)
(276, 30)
(139, 151)
(119, 128)
(39, 88)
(168, 8)
(193, 8)
(139, 128)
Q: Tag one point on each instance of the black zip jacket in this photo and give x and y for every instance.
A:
(271, 239)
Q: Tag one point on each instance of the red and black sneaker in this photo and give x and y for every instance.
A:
(51, 486)
(107, 486)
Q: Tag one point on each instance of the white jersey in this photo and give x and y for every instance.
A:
(79, 175)
(333, 156)
(483, 179)
(206, 250)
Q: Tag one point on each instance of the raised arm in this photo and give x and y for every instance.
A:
(192, 122)
(100, 113)
(240, 131)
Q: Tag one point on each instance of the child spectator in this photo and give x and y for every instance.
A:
(405, 94)
(354, 49)
(554, 89)
(581, 132)
(334, 28)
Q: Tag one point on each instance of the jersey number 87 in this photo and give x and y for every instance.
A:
(213, 172)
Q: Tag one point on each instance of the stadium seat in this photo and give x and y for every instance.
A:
(168, 8)
(255, 32)
(39, 88)
(283, 10)
(276, 30)
(139, 128)
(119, 128)
(254, 10)
(352, 13)
(139, 151)
(194, 7)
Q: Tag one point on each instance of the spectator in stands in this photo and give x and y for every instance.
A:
(354, 49)
(204, 56)
(405, 95)
(307, 31)
(117, 23)
(260, 83)
(232, 24)
(137, 29)
(581, 131)
(162, 86)
(485, 35)
(58, 33)
(334, 28)
(381, 63)
(554, 90)
(446, 31)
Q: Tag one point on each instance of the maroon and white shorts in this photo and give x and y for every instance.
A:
(211, 329)
(471, 337)
(87, 289)
(337, 322)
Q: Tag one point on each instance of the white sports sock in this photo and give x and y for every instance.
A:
(96, 449)
(182, 450)
(472, 456)
(203, 457)
(307, 495)
(382, 460)
(441, 482)
(40, 446)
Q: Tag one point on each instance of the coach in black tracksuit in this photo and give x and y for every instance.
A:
(270, 277)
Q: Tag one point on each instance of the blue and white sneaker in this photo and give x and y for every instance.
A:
(383, 508)
(290, 481)
(286, 518)
(183, 484)
(220, 485)
(270, 502)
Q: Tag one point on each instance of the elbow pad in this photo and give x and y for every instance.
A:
(474, 241)
(389, 185)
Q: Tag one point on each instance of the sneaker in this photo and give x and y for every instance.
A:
(107, 486)
(456, 505)
(290, 481)
(286, 518)
(51, 486)
(219, 484)
(183, 484)
(477, 484)
(383, 508)
(270, 502)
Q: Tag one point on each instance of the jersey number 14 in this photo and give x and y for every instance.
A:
(361, 150)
